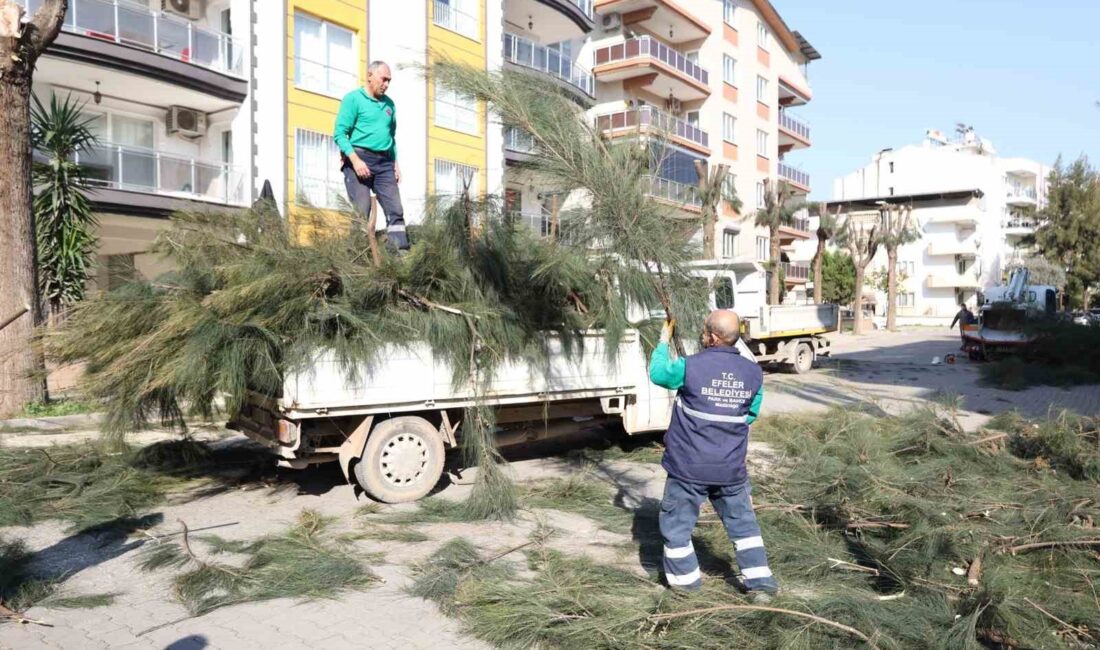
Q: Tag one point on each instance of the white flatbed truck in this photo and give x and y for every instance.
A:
(389, 424)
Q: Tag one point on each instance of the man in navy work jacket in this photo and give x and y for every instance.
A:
(718, 395)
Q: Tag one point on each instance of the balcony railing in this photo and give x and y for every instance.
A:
(1021, 222)
(121, 22)
(796, 271)
(651, 47)
(522, 52)
(1021, 192)
(585, 6)
(518, 140)
(154, 172)
(794, 175)
(801, 224)
(647, 116)
(454, 19)
(680, 193)
(537, 220)
(794, 125)
(325, 193)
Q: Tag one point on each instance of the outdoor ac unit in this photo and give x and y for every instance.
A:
(186, 122)
(191, 9)
(612, 21)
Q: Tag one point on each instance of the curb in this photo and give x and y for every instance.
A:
(52, 424)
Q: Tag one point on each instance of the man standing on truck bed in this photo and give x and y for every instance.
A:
(718, 395)
(365, 133)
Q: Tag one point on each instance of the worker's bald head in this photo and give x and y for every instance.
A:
(722, 327)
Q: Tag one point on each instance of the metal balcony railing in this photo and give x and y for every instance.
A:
(794, 125)
(585, 6)
(522, 52)
(518, 140)
(647, 46)
(537, 220)
(454, 19)
(793, 175)
(1021, 192)
(173, 36)
(796, 271)
(1021, 222)
(674, 192)
(648, 116)
(154, 172)
(801, 224)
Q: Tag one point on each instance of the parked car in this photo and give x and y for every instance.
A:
(1083, 318)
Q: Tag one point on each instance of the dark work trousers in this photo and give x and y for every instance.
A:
(384, 185)
(679, 512)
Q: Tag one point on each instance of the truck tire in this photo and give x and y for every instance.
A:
(402, 461)
(803, 358)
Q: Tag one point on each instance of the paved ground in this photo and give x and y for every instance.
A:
(891, 372)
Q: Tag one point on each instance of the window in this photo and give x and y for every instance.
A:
(729, 125)
(729, 69)
(760, 191)
(455, 111)
(762, 143)
(317, 175)
(891, 167)
(451, 179)
(762, 35)
(729, 244)
(762, 90)
(692, 118)
(906, 268)
(907, 299)
(891, 191)
(729, 11)
(723, 293)
(729, 187)
(763, 248)
(325, 57)
(458, 16)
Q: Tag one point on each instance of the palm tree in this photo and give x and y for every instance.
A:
(64, 222)
(827, 226)
(779, 209)
(897, 230)
(712, 191)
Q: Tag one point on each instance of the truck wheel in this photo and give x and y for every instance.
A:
(803, 358)
(402, 461)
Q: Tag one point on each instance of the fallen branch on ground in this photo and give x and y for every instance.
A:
(760, 608)
(1082, 543)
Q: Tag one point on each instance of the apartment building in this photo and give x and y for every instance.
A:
(167, 87)
(972, 207)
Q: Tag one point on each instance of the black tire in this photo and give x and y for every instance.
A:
(803, 358)
(403, 460)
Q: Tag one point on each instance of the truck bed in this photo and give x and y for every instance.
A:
(780, 321)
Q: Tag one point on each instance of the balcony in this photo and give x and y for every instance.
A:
(793, 92)
(454, 19)
(798, 179)
(1021, 195)
(799, 228)
(519, 146)
(552, 20)
(953, 280)
(965, 248)
(796, 272)
(679, 194)
(1019, 226)
(793, 132)
(658, 17)
(644, 63)
(115, 38)
(529, 55)
(537, 221)
(966, 217)
(648, 119)
(133, 169)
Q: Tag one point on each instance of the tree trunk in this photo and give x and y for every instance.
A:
(18, 271)
(773, 255)
(710, 219)
(819, 262)
(892, 289)
(857, 307)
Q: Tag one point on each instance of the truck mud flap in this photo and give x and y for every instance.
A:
(354, 445)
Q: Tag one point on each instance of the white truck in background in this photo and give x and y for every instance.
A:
(389, 423)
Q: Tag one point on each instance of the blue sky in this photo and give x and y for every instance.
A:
(1025, 75)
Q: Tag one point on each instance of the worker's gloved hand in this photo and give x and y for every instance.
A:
(667, 329)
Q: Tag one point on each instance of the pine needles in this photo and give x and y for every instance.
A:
(305, 562)
(20, 589)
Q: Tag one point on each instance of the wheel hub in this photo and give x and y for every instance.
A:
(403, 459)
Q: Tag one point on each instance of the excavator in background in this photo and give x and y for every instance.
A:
(1004, 314)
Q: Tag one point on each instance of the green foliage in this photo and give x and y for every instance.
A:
(582, 494)
(59, 407)
(780, 208)
(304, 562)
(839, 277)
(1069, 234)
(438, 578)
(1041, 271)
(1067, 442)
(879, 279)
(1060, 354)
(64, 222)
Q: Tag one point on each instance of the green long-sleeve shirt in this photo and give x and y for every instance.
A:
(367, 123)
(668, 373)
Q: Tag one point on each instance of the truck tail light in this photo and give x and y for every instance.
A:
(286, 431)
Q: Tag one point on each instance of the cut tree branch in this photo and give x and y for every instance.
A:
(759, 608)
(1073, 543)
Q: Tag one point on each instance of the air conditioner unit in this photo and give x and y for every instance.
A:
(191, 9)
(186, 122)
(612, 21)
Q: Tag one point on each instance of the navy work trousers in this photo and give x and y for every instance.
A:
(384, 184)
(680, 511)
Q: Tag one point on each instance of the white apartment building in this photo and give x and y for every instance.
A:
(972, 208)
(167, 84)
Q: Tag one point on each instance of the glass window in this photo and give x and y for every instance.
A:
(729, 244)
(762, 143)
(763, 249)
(132, 131)
(729, 69)
(760, 190)
(762, 90)
(455, 111)
(762, 35)
(729, 126)
(451, 179)
(459, 16)
(729, 186)
(325, 59)
(723, 289)
(317, 175)
(729, 11)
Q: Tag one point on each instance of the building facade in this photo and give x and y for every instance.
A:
(972, 207)
(167, 89)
